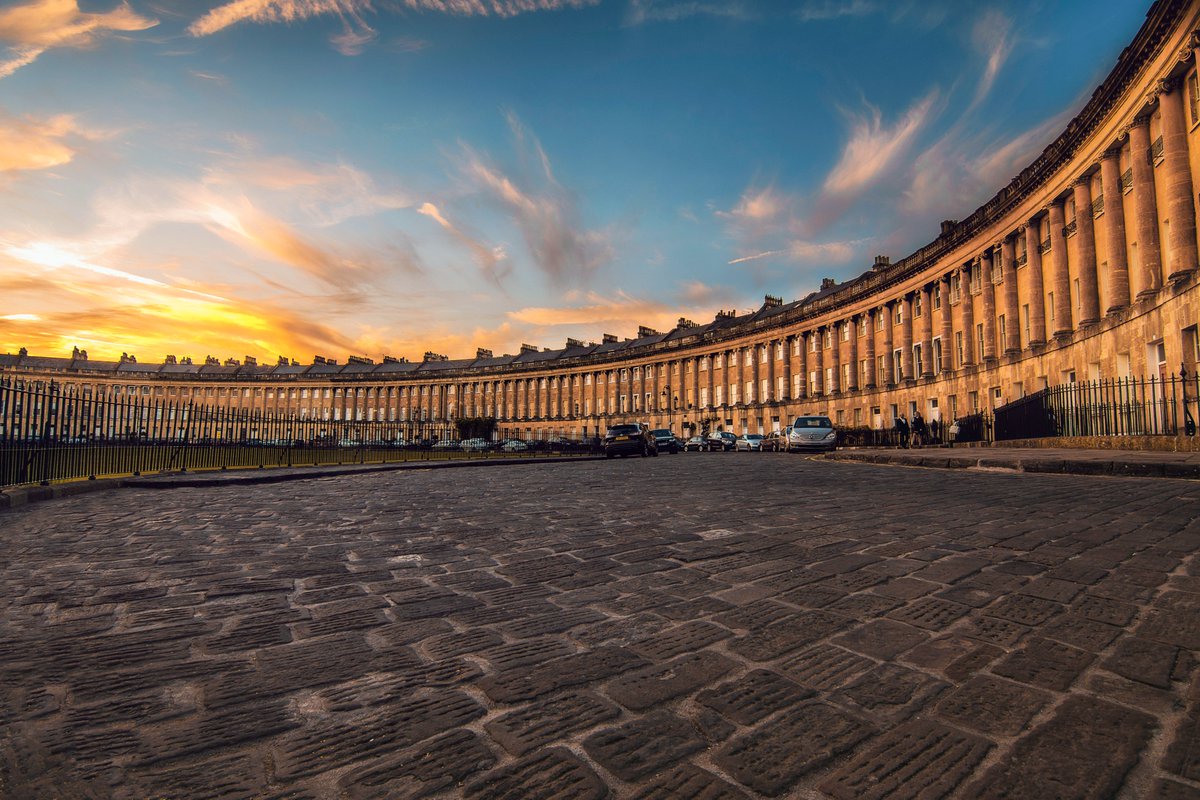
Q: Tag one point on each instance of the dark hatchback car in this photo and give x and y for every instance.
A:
(722, 440)
(629, 439)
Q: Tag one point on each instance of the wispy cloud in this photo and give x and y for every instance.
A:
(27, 143)
(599, 311)
(546, 212)
(992, 34)
(643, 11)
(356, 32)
(873, 148)
(821, 10)
(492, 261)
(33, 28)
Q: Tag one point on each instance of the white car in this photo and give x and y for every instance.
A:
(475, 445)
(514, 446)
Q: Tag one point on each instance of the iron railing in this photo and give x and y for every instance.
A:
(1107, 407)
(51, 432)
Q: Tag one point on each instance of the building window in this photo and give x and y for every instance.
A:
(779, 351)
(958, 348)
(796, 385)
(862, 326)
(846, 377)
(704, 364)
(955, 286)
(879, 320)
(1050, 304)
(979, 341)
(897, 366)
(828, 339)
(780, 387)
(733, 359)
(937, 295)
(829, 378)
(845, 329)
(916, 305)
(917, 365)
(764, 390)
(899, 313)
(1002, 328)
(1193, 98)
(937, 355)
(1025, 321)
(719, 395)
(1022, 252)
(881, 370)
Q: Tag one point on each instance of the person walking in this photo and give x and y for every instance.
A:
(903, 430)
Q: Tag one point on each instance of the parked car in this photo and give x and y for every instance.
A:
(475, 445)
(697, 443)
(630, 438)
(447, 444)
(776, 441)
(749, 442)
(514, 446)
(722, 440)
(812, 433)
(666, 441)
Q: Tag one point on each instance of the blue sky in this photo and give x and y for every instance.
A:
(299, 177)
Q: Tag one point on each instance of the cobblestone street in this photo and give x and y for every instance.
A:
(691, 626)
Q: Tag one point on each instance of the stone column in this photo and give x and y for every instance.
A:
(870, 354)
(1037, 291)
(1114, 230)
(968, 316)
(1060, 278)
(1144, 206)
(853, 355)
(889, 343)
(906, 337)
(947, 326)
(835, 357)
(819, 362)
(1089, 292)
(787, 369)
(803, 365)
(1012, 314)
(926, 331)
(771, 393)
(1181, 208)
(695, 383)
(989, 306)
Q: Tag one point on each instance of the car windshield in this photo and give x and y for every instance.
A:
(622, 430)
(813, 422)
(752, 437)
(662, 432)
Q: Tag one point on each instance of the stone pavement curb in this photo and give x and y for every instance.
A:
(17, 496)
(1060, 461)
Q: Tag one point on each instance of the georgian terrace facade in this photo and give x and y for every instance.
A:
(1084, 266)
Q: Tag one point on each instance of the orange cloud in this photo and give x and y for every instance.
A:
(29, 143)
(872, 149)
(33, 28)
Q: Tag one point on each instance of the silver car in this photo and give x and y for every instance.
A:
(750, 441)
(812, 433)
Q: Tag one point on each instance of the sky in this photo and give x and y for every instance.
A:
(389, 177)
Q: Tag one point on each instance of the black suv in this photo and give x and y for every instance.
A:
(628, 439)
(666, 441)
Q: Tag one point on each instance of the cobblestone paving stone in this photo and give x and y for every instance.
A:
(700, 626)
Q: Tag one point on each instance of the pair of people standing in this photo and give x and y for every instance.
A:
(912, 435)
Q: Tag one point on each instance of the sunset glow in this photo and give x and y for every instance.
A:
(298, 177)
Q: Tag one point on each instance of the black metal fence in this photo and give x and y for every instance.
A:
(51, 432)
(1107, 407)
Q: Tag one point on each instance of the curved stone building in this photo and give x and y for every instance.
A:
(1084, 266)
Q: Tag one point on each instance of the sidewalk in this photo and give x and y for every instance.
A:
(1136, 463)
